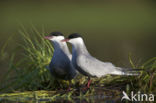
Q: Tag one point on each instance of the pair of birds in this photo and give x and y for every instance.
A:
(65, 65)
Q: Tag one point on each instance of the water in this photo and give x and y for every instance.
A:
(87, 100)
(111, 30)
(83, 99)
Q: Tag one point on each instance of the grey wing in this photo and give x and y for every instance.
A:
(59, 66)
(57, 70)
(94, 66)
(72, 72)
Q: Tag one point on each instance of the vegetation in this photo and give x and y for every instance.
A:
(30, 74)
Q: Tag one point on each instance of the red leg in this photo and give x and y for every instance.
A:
(89, 82)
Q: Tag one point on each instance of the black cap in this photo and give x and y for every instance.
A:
(56, 34)
(74, 35)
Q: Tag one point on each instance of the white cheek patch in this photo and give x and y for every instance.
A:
(76, 41)
(52, 38)
(57, 38)
(70, 41)
(60, 37)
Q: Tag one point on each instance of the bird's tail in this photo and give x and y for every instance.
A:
(126, 71)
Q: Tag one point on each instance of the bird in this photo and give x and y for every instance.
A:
(90, 66)
(60, 65)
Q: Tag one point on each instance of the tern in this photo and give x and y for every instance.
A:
(89, 65)
(60, 65)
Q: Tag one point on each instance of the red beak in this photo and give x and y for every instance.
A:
(48, 37)
(65, 40)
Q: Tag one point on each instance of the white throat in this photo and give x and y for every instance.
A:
(76, 41)
(57, 38)
(59, 46)
(78, 46)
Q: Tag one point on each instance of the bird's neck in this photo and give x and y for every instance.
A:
(80, 49)
(61, 46)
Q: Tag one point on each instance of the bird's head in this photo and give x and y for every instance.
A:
(74, 38)
(55, 36)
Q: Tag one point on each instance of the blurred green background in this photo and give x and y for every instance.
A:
(111, 30)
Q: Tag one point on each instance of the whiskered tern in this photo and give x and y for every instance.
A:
(89, 65)
(60, 65)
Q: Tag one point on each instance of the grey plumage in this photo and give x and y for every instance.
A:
(60, 65)
(89, 65)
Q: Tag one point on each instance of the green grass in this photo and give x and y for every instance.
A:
(29, 73)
